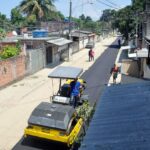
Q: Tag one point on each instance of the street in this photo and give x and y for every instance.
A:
(21, 98)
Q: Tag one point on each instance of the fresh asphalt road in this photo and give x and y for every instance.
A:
(97, 77)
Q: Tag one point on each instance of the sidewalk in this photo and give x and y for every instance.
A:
(19, 99)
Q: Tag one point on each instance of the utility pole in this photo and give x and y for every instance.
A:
(136, 38)
(103, 24)
(70, 15)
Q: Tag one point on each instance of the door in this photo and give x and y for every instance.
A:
(49, 53)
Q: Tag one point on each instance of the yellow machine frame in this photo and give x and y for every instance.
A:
(70, 80)
(55, 135)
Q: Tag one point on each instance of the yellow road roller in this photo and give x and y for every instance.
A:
(58, 121)
(54, 122)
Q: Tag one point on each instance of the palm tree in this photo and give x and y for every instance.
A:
(40, 8)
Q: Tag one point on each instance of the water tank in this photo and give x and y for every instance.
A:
(39, 33)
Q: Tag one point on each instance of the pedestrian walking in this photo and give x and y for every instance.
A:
(119, 43)
(114, 71)
(92, 55)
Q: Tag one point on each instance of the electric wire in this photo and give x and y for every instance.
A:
(107, 4)
(112, 3)
(78, 6)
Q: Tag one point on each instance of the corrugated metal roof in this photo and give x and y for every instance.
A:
(59, 41)
(78, 34)
(126, 79)
(121, 120)
(66, 72)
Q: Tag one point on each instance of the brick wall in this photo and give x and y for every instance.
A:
(11, 69)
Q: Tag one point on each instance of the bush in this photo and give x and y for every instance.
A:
(9, 51)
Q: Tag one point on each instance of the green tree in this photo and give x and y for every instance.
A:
(16, 17)
(56, 15)
(40, 8)
(82, 17)
(108, 15)
(125, 21)
(5, 24)
(88, 19)
(2, 34)
(138, 5)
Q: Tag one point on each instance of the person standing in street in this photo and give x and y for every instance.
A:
(75, 92)
(114, 71)
(119, 43)
(92, 55)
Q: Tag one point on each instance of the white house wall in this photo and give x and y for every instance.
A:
(83, 43)
(56, 55)
(146, 69)
(62, 47)
(60, 53)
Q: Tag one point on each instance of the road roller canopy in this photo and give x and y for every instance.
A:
(65, 72)
(51, 115)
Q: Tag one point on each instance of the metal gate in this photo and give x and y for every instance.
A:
(36, 60)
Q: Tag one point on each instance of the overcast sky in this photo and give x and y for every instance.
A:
(92, 8)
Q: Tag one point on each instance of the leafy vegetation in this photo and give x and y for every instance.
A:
(40, 8)
(5, 23)
(85, 111)
(125, 19)
(2, 34)
(10, 51)
(16, 17)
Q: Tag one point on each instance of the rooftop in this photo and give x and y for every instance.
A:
(121, 120)
(59, 41)
(66, 72)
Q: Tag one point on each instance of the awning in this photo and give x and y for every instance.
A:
(59, 41)
(125, 47)
(128, 47)
(65, 72)
(143, 53)
(78, 34)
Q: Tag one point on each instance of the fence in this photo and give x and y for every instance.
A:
(12, 69)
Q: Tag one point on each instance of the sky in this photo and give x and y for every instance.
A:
(92, 8)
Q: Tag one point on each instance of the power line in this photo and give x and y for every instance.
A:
(107, 4)
(80, 5)
(109, 1)
(96, 11)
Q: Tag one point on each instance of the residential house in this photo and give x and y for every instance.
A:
(81, 38)
(43, 51)
(140, 53)
(145, 60)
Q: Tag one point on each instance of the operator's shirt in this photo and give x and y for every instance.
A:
(75, 88)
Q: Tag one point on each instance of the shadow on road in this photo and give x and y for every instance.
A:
(112, 46)
(31, 143)
(53, 65)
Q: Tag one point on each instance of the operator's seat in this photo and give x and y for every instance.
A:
(65, 90)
